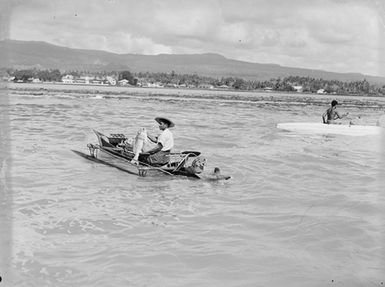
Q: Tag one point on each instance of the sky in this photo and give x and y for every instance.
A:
(332, 35)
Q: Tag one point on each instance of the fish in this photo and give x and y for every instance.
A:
(141, 144)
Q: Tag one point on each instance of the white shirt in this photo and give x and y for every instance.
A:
(166, 139)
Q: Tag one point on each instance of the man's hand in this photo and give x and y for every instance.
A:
(156, 149)
(152, 138)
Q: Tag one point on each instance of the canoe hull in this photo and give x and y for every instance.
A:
(119, 166)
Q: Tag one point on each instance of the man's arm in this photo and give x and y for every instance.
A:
(338, 116)
(154, 139)
(156, 149)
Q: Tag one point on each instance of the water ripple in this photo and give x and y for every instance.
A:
(298, 211)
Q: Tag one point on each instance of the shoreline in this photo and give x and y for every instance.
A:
(256, 95)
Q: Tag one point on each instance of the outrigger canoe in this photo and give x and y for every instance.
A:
(110, 151)
(320, 128)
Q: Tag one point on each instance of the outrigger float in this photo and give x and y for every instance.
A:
(120, 155)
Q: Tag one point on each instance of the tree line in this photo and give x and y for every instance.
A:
(285, 84)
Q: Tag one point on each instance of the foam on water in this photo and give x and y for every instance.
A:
(299, 210)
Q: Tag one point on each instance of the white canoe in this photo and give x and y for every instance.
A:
(320, 128)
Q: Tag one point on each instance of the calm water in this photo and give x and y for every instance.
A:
(300, 210)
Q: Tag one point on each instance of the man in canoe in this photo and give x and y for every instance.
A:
(331, 114)
(158, 155)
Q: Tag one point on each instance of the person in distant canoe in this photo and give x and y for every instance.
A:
(331, 114)
(159, 155)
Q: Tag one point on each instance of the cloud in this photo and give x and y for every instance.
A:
(5, 11)
(337, 35)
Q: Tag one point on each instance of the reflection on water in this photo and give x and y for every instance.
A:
(300, 210)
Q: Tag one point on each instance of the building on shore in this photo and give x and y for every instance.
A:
(68, 79)
(298, 89)
(123, 82)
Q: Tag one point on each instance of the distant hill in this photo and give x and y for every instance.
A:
(41, 55)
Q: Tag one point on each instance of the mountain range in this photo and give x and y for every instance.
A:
(42, 55)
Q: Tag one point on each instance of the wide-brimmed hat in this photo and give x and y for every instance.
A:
(164, 120)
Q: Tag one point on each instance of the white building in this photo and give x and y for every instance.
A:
(206, 86)
(68, 79)
(298, 89)
(97, 82)
(153, 85)
(123, 82)
(86, 79)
